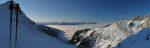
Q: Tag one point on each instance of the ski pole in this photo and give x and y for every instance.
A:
(11, 11)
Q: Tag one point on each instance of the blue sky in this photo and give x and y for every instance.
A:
(83, 10)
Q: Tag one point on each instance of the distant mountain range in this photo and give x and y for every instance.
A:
(65, 23)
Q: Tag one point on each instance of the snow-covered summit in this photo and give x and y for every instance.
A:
(112, 35)
(5, 14)
(120, 30)
(30, 35)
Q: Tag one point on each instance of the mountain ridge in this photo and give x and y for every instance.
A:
(29, 34)
(112, 35)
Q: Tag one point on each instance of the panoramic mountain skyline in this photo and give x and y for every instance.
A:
(18, 31)
(83, 10)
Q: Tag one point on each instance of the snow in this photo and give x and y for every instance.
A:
(28, 34)
(71, 29)
(113, 35)
(120, 30)
(137, 40)
(131, 33)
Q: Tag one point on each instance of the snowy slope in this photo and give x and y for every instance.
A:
(28, 34)
(139, 40)
(120, 30)
(112, 35)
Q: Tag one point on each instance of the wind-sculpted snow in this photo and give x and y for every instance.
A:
(111, 36)
(29, 35)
